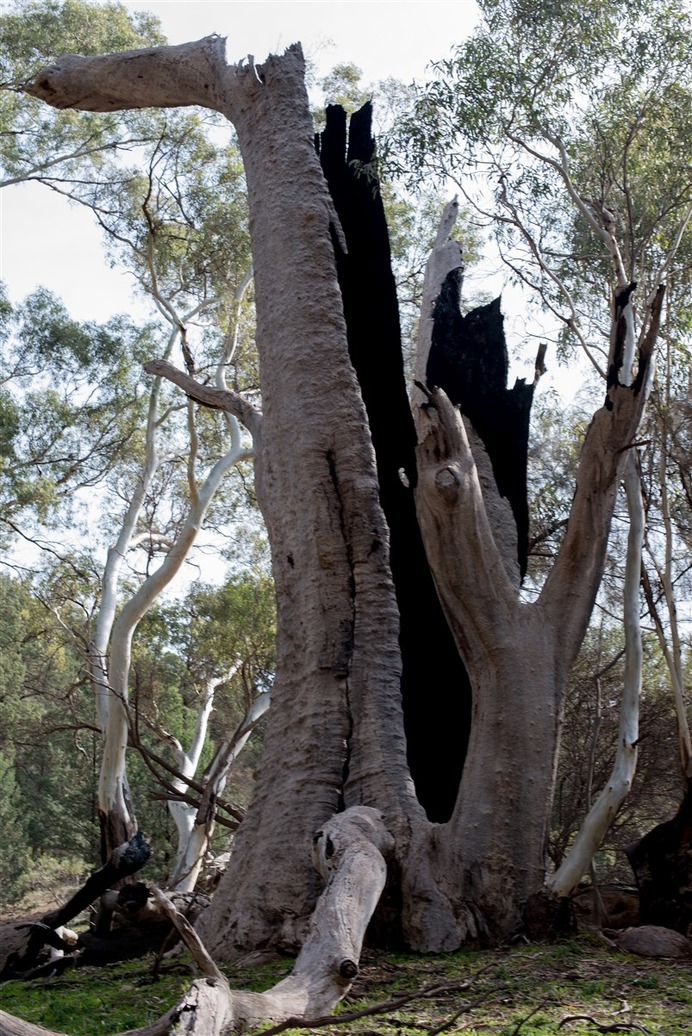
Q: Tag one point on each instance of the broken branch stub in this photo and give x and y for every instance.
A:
(153, 77)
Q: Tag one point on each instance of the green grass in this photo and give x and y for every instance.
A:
(572, 988)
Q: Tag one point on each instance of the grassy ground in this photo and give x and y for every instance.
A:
(573, 987)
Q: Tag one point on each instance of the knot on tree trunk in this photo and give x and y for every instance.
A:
(348, 969)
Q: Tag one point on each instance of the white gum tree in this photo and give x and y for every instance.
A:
(196, 823)
(118, 821)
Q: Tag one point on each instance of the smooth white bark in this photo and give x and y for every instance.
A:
(110, 792)
(109, 678)
(197, 823)
(605, 809)
(187, 762)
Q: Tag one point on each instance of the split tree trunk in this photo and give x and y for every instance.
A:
(518, 656)
(335, 735)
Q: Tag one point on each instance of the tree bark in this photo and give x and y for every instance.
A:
(518, 656)
(603, 812)
(335, 735)
(435, 751)
(201, 821)
(336, 687)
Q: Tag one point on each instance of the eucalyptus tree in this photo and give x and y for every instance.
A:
(202, 670)
(585, 192)
(335, 741)
(162, 220)
(48, 737)
(166, 229)
(57, 147)
(71, 411)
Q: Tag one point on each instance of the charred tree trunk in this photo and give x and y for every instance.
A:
(435, 750)
(490, 857)
(662, 865)
(468, 360)
(125, 861)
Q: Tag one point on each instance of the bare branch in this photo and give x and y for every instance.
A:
(154, 77)
(207, 395)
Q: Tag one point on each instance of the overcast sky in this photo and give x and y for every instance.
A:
(384, 38)
(43, 240)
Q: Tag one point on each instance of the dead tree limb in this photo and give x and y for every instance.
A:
(349, 852)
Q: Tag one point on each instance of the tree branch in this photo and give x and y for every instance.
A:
(155, 77)
(208, 395)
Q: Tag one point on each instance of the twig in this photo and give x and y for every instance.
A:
(188, 935)
(386, 1005)
(520, 1024)
(466, 1009)
(614, 1027)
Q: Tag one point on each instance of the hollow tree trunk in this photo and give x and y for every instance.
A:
(335, 736)
(435, 750)
(518, 656)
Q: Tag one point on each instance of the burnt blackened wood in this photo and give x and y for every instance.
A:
(22, 948)
(435, 687)
(468, 359)
(662, 865)
(126, 860)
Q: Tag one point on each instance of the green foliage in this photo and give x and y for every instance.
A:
(14, 850)
(70, 408)
(556, 437)
(343, 86)
(214, 631)
(550, 115)
(33, 137)
(185, 198)
(47, 741)
(39, 31)
(231, 623)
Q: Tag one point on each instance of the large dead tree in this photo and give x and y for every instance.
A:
(336, 735)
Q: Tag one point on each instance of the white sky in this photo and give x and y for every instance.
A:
(386, 37)
(43, 240)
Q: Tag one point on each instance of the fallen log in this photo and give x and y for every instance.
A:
(349, 852)
(21, 944)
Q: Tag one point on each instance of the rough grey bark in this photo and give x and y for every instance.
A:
(518, 655)
(335, 734)
(329, 547)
